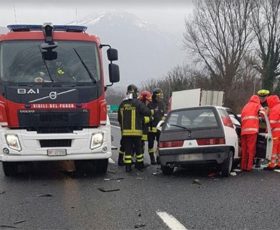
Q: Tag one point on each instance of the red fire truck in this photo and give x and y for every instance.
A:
(52, 96)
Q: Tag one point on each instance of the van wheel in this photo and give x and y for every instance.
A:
(226, 166)
(10, 168)
(167, 170)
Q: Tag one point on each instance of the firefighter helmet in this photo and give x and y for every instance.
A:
(263, 93)
(132, 89)
(145, 96)
(157, 93)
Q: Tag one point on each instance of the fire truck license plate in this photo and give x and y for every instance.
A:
(56, 152)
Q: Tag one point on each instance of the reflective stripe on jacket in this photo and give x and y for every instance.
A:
(249, 116)
(131, 116)
(274, 115)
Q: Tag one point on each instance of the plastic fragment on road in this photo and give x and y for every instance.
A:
(7, 226)
(196, 181)
(237, 170)
(117, 179)
(212, 174)
(139, 225)
(108, 190)
(20, 221)
(45, 195)
(233, 174)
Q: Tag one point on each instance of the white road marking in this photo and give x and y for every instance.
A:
(170, 221)
(111, 161)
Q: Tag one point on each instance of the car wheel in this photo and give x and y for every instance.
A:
(226, 166)
(167, 170)
(10, 168)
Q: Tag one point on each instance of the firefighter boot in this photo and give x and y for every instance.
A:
(139, 166)
(120, 160)
(128, 168)
(271, 166)
(152, 158)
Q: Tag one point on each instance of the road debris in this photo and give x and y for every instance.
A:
(277, 170)
(20, 221)
(117, 179)
(212, 174)
(108, 190)
(233, 174)
(139, 178)
(45, 195)
(237, 170)
(139, 225)
(196, 181)
(2, 192)
(7, 226)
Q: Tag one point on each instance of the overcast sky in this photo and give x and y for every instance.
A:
(165, 14)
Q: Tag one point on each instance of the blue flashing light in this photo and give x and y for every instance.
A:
(66, 28)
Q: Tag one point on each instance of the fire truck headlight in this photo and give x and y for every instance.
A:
(96, 140)
(13, 142)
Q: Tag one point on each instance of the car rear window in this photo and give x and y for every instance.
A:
(196, 118)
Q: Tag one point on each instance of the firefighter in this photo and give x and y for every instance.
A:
(263, 94)
(146, 98)
(130, 116)
(249, 132)
(274, 120)
(157, 108)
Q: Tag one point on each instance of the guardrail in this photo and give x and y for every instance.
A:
(113, 119)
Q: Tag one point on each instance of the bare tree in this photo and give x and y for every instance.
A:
(266, 25)
(219, 37)
(179, 78)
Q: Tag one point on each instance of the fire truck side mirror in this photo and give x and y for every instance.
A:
(112, 54)
(114, 73)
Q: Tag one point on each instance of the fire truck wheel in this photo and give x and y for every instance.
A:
(101, 166)
(10, 168)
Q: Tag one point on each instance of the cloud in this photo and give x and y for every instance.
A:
(98, 3)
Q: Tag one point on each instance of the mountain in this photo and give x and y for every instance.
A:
(145, 52)
(3, 30)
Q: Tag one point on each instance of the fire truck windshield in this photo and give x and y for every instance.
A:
(26, 62)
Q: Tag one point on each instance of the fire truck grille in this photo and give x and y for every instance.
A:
(45, 121)
(55, 143)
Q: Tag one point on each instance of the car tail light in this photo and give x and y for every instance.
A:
(211, 141)
(227, 122)
(170, 144)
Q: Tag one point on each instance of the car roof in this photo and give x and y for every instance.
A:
(201, 107)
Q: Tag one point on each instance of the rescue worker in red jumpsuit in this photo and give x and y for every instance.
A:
(249, 132)
(130, 116)
(274, 120)
(146, 98)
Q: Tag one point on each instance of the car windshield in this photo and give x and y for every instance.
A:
(195, 118)
(70, 61)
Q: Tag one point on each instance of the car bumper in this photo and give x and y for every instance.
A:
(194, 155)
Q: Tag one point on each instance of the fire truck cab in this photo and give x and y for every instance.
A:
(52, 96)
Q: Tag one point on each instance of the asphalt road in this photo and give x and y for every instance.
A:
(46, 198)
